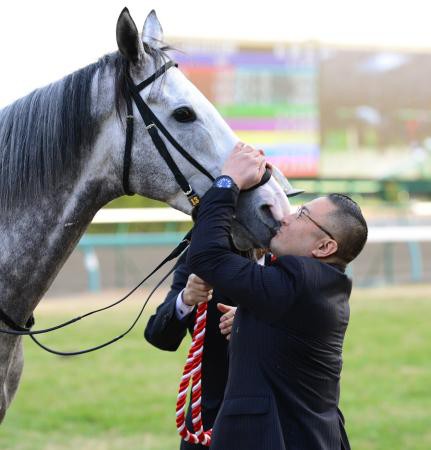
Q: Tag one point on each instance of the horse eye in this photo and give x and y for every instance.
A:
(184, 114)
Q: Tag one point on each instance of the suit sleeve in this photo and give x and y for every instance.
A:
(268, 292)
(164, 330)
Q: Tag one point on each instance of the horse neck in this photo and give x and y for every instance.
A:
(36, 241)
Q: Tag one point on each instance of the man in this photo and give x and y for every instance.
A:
(167, 328)
(286, 341)
(175, 316)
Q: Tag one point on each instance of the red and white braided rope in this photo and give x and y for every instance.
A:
(192, 370)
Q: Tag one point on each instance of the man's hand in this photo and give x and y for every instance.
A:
(196, 291)
(245, 165)
(226, 320)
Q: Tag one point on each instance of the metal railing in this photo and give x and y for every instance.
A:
(388, 236)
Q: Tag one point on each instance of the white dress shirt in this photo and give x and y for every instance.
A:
(182, 310)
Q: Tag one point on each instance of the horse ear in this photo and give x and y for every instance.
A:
(152, 33)
(128, 40)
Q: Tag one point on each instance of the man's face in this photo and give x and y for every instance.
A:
(299, 236)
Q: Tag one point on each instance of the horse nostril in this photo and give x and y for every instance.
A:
(268, 218)
(265, 211)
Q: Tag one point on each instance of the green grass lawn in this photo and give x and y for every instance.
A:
(124, 397)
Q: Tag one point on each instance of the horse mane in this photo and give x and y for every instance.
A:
(44, 134)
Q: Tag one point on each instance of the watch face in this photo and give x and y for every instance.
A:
(224, 182)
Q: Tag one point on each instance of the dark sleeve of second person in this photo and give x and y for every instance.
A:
(268, 292)
(164, 330)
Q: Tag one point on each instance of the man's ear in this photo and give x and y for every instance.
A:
(325, 248)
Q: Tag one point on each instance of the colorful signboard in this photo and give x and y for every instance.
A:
(267, 95)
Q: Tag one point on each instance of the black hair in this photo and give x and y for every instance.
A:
(351, 227)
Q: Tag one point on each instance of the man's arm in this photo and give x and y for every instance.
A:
(266, 291)
(226, 320)
(164, 329)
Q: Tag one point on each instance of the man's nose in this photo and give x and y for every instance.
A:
(287, 219)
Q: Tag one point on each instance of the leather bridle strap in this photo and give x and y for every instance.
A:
(128, 147)
(151, 119)
(153, 126)
(129, 122)
(162, 149)
(12, 324)
(160, 71)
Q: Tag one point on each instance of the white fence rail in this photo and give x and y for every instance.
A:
(414, 239)
(169, 215)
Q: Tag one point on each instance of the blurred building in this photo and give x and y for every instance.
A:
(371, 98)
(295, 99)
(267, 94)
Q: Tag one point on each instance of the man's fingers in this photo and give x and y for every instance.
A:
(248, 149)
(226, 320)
(241, 147)
(223, 308)
(226, 323)
(198, 290)
(194, 280)
(203, 296)
(227, 316)
(226, 326)
(193, 295)
(198, 285)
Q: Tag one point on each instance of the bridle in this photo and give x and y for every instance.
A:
(153, 126)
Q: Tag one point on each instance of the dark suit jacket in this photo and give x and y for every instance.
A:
(286, 342)
(165, 331)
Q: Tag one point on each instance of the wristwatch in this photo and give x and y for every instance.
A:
(223, 182)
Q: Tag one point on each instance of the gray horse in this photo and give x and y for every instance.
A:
(61, 160)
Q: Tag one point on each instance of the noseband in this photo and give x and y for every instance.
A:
(153, 126)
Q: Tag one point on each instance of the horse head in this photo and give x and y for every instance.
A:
(194, 123)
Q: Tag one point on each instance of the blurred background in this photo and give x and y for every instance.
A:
(338, 94)
(333, 119)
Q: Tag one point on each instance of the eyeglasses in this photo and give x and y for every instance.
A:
(303, 211)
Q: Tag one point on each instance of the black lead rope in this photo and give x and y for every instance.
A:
(11, 323)
(21, 331)
(105, 344)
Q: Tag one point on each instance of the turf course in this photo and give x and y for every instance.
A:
(123, 397)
